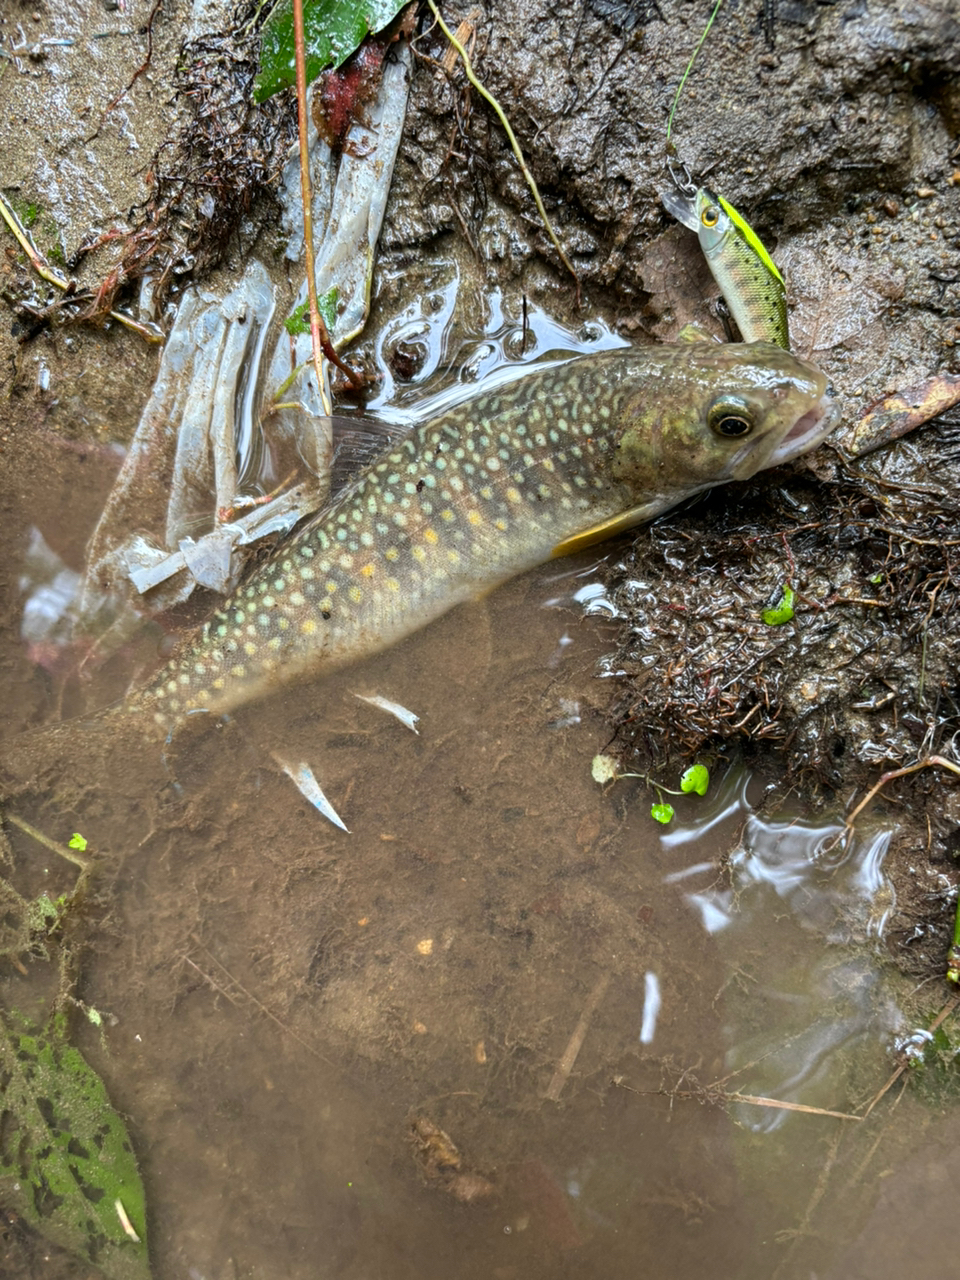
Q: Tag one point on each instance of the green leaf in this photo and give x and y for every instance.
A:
(696, 778)
(66, 1160)
(662, 812)
(783, 612)
(327, 306)
(299, 322)
(332, 30)
(77, 841)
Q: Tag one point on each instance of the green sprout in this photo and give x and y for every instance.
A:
(953, 955)
(696, 778)
(782, 612)
(605, 769)
(77, 842)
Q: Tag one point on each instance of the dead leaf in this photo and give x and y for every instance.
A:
(888, 419)
(836, 292)
(678, 280)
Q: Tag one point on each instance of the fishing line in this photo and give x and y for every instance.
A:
(693, 58)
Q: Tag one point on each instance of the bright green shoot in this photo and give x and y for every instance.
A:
(695, 779)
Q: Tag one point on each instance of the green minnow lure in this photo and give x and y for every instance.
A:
(555, 460)
(748, 278)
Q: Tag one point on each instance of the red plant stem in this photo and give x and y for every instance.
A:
(319, 337)
(306, 195)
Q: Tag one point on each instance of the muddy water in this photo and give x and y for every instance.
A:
(492, 1030)
(287, 1003)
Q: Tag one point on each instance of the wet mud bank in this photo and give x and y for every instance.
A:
(859, 681)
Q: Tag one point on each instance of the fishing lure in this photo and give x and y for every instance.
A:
(748, 278)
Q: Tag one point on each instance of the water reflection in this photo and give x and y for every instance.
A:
(794, 888)
(830, 881)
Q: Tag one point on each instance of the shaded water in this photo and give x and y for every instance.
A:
(288, 998)
(499, 950)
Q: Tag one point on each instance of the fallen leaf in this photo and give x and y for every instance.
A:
(890, 418)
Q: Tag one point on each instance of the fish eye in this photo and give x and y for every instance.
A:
(730, 417)
(710, 216)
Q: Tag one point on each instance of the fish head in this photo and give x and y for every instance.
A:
(717, 413)
(713, 221)
(709, 215)
(717, 221)
(682, 207)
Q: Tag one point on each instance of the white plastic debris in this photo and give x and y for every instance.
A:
(304, 779)
(651, 1007)
(409, 718)
(226, 357)
(125, 1222)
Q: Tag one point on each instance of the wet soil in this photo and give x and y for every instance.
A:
(439, 964)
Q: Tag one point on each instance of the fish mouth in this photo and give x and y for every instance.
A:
(808, 430)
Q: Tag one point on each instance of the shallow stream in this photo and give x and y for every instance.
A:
(500, 957)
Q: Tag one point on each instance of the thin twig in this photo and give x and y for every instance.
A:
(515, 145)
(319, 336)
(901, 773)
(306, 196)
(710, 1093)
(139, 71)
(249, 996)
(575, 1043)
(755, 1101)
(819, 1191)
(942, 1016)
(43, 269)
(62, 850)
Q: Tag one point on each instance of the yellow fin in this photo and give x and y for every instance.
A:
(605, 529)
(693, 333)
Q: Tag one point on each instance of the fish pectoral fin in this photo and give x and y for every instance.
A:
(693, 333)
(356, 443)
(606, 529)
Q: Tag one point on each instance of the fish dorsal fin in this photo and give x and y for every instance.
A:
(606, 529)
(356, 443)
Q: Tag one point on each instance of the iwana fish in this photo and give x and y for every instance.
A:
(562, 457)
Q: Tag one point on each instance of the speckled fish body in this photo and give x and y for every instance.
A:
(749, 280)
(559, 457)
